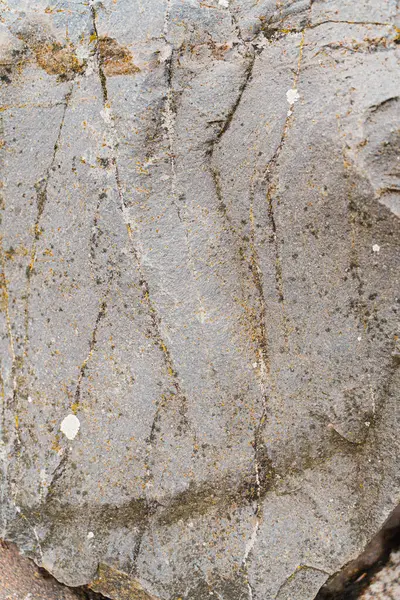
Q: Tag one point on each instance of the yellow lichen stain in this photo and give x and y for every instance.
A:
(115, 58)
(51, 55)
(56, 446)
(141, 169)
(52, 11)
(12, 252)
(75, 407)
(4, 293)
(16, 422)
(56, 59)
(219, 50)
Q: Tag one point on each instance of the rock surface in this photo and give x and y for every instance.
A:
(200, 290)
(21, 579)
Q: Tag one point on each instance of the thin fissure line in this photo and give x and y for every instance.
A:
(292, 575)
(124, 209)
(143, 282)
(41, 195)
(260, 426)
(6, 297)
(271, 190)
(257, 280)
(92, 345)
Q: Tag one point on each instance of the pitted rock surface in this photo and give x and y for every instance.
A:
(200, 290)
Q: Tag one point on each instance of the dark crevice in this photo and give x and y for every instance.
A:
(228, 120)
(271, 190)
(102, 76)
(58, 473)
(42, 185)
(84, 593)
(349, 23)
(355, 576)
(92, 345)
(266, 475)
(169, 114)
(41, 200)
(261, 330)
(62, 465)
(263, 470)
(95, 231)
(271, 193)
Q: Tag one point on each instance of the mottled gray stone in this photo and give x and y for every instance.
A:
(199, 260)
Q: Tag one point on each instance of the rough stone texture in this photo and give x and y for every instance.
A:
(199, 260)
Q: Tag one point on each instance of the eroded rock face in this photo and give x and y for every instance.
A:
(200, 290)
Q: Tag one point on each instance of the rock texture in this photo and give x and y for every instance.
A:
(21, 579)
(200, 290)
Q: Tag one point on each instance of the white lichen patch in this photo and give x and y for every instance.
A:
(83, 52)
(106, 114)
(90, 66)
(224, 3)
(292, 96)
(376, 248)
(70, 426)
(165, 53)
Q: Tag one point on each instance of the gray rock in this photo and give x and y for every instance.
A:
(200, 269)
